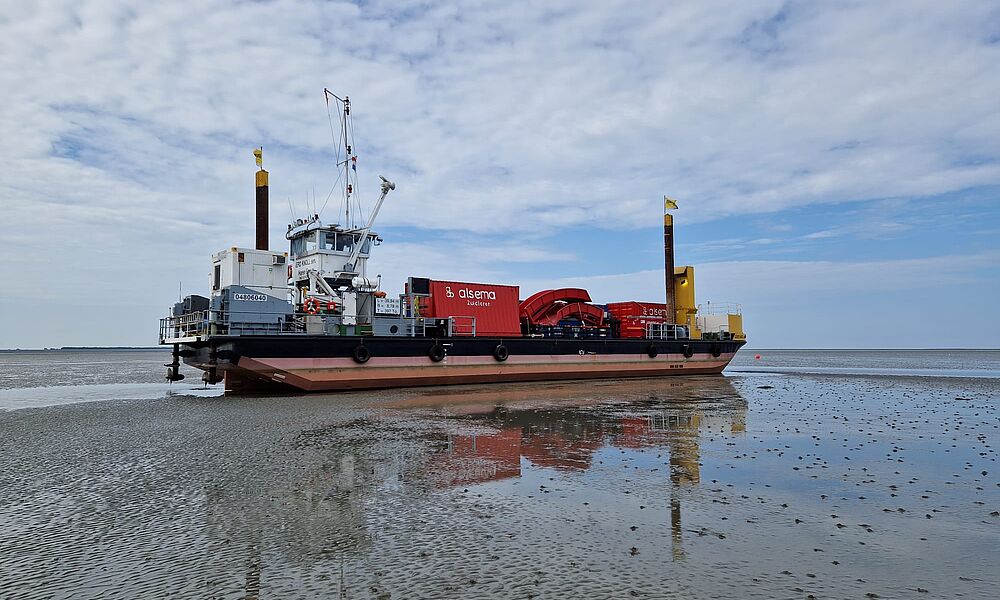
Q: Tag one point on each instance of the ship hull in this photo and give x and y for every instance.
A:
(325, 363)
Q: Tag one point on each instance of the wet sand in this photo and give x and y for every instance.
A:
(757, 485)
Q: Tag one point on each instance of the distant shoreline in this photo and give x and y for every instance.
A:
(746, 350)
(749, 350)
(87, 349)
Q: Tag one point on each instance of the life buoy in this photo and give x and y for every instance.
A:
(362, 354)
(716, 350)
(311, 305)
(436, 353)
(501, 353)
(687, 350)
(652, 351)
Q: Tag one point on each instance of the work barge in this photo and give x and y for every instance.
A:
(313, 319)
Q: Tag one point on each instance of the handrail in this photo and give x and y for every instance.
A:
(215, 322)
(462, 325)
(720, 308)
(667, 331)
(422, 324)
(187, 327)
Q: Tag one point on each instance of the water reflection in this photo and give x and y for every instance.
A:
(462, 437)
(366, 485)
(565, 437)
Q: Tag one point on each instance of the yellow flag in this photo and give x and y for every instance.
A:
(669, 204)
(258, 154)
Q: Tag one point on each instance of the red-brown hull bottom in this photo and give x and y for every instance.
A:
(331, 374)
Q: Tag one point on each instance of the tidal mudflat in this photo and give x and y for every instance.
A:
(753, 485)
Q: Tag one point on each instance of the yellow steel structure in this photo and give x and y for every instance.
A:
(685, 307)
(736, 326)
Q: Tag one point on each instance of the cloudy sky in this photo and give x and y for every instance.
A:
(837, 163)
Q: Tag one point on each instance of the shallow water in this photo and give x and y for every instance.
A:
(755, 485)
(921, 363)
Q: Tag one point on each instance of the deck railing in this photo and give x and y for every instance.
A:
(213, 322)
(720, 308)
(204, 323)
(189, 326)
(667, 331)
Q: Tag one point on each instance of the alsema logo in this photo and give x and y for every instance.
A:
(471, 294)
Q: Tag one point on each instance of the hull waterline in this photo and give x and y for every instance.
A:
(327, 364)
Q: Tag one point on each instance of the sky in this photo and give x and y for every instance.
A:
(836, 164)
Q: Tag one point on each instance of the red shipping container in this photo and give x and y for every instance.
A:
(621, 310)
(496, 308)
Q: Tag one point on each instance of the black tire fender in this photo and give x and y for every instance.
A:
(362, 354)
(436, 353)
(687, 350)
(501, 353)
(716, 350)
(652, 351)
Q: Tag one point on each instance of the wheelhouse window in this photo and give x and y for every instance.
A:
(334, 242)
(304, 244)
(345, 242)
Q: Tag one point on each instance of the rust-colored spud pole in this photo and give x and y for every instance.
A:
(668, 257)
(261, 201)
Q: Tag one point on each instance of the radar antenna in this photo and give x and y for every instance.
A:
(347, 167)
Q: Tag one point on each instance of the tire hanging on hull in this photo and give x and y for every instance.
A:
(361, 354)
(436, 353)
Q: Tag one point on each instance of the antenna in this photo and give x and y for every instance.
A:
(350, 160)
(347, 159)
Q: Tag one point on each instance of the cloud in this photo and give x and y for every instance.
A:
(557, 113)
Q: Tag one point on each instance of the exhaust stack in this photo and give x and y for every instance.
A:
(261, 201)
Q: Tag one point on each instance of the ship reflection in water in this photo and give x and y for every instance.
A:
(551, 429)
(427, 485)
(481, 491)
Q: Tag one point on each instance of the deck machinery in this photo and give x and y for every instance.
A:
(313, 318)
